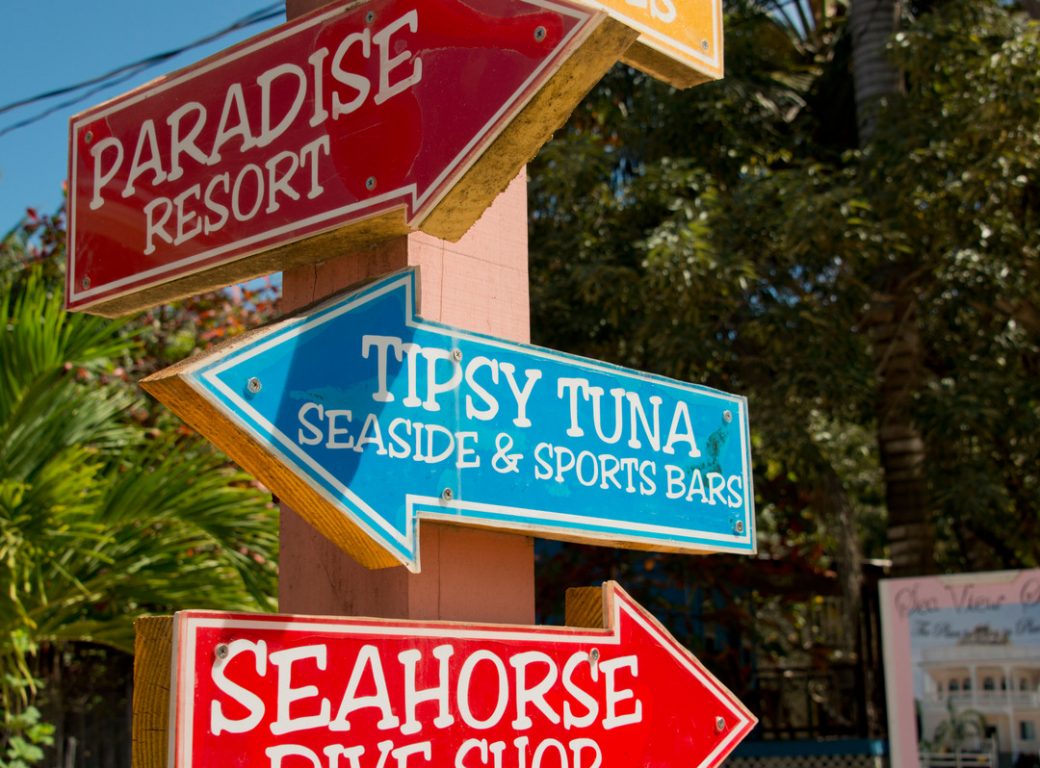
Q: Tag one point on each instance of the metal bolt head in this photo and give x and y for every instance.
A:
(85, 282)
(221, 651)
(447, 495)
(370, 17)
(738, 526)
(88, 136)
(720, 724)
(539, 34)
(727, 416)
(704, 44)
(254, 385)
(593, 655)
(370, 183)
(456, 355)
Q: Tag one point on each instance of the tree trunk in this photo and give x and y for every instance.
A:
(872, 23)
(833, 503)
(892, 322)
(898, 355)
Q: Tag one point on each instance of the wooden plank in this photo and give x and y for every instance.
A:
(586, 607)
(122, 255)
(331, 413)
(151, 702)
(620, 662)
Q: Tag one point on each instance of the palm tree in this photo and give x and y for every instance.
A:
(892, 320)
(102, 518)
(962, 729)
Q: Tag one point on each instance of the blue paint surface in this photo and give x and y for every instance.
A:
(498, 433)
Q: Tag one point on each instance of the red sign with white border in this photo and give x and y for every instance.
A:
(320, 692)
(343, 115)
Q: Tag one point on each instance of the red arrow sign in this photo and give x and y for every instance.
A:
(311, 692)
(369, 119)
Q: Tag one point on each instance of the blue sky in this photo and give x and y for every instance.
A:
(49, 44)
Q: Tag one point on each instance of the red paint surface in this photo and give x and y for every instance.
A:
(424, 87)
(535, 696)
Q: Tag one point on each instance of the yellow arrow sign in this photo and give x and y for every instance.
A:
(680, 41)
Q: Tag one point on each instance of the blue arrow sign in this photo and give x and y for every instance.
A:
(393, 419)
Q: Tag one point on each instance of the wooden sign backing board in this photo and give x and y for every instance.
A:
(367, 419)
(354, 123)
(680, 41)
(614, 690)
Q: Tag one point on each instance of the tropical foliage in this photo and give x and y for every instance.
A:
(962, 729)
(107, 509)
(744, 235)
(715, 235)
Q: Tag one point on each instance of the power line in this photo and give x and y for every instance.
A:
(100, 83)
(87, 88)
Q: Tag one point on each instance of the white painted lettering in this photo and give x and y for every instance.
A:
(491, 403)
(367, 659)
(101, 174)
(234, 106)
(268, 132)
(218, 722)
(184, 144)
(212, 205)
(156, 228)
(280, 182)
(146, 140)
(387, 64)
(520, 395)
(315, 436)
(358, 82)
(183, 217)
(615, 695)
(336, 431)
(533, 694)
(284, 661)
(465, 685)
(437, 693)
(572, 387)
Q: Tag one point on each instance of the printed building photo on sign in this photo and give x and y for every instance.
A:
(962, 669)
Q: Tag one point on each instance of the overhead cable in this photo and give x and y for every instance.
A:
(87, 88)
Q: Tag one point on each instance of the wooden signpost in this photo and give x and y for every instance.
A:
(322, 692)
(367, 419)
(340, 148)
(345, 127)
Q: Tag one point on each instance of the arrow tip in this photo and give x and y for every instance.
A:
(698, 720)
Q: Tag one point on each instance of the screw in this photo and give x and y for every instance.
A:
(738, 526)
(720, 724)
(456, 355)
(88, 136)
(370, 183)
(446, 494)
(85, 282)
(539, 34)
(253, 385)
(370, 17)
(593, 655)
(704, 44)
(221, 651)
(727, 416)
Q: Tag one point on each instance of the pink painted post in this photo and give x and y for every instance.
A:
(479, 283)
